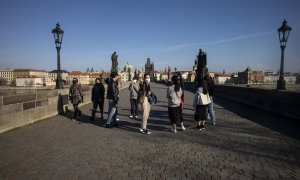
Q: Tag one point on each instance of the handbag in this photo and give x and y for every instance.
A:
(203, 99)
(152, 98)
(181, 104)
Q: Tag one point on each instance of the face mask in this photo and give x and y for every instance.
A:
(147, 80)
(134, 81)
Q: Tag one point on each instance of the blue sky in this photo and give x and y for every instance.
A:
(234, 33)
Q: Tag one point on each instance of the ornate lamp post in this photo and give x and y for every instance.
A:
(283, 33)
(58, 35)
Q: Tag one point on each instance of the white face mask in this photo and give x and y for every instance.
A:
(147, 80)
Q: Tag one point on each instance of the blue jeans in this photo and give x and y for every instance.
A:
(211, 110)
(112, 112)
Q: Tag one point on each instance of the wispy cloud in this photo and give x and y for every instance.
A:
(182, 46)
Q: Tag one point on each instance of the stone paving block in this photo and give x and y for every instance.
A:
(18, 98)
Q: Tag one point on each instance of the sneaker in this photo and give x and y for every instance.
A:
(147, 131)
(92, 118)
(182, 128)
(131, 116)
(136, 117)
(203, 127)
(117, 119)
(199, 127)
(141, 130)
(116, 125)
(108, 126)
(73, 119)
(173, 130)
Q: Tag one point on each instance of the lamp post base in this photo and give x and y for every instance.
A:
(281, 84)
(59, 84)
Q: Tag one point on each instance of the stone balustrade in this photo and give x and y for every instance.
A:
(286, 103)
(21, 109)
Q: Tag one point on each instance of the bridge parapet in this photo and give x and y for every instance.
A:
(286, 103)
(21, 109)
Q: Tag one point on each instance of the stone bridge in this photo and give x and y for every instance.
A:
(246, 143)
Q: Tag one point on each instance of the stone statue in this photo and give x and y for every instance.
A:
(201, 58)
(169, 72)
(201, 66)
(114, 59)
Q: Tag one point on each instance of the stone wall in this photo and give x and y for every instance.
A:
(22, 109)
(286, 103)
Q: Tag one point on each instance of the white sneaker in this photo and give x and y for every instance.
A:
(73, 119)
(136, 117)
(131, 116)
(117, 119)
(182, 128)
(173, 130)
(141, 130)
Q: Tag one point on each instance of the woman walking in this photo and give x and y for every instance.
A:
(144, 93)
(182, 101)
(134, 89)
(113, 99)
(201, 105)
(76, 97)
(211, 89)
(97, 98)
(174, 94)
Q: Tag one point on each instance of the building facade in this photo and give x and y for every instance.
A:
(83, 78)
(223, 79)
(32, 74)
(272, 79)
(250, 77)
(6, 77)
(52, 76)
(32, 81)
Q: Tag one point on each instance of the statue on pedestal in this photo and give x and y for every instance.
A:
(114, 59)
(201, 66)
(169, 73)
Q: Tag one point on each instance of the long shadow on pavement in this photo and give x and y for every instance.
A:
(284, 125)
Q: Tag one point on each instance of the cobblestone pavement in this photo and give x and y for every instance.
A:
(246, 143)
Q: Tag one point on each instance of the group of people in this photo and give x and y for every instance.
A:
(141, 95)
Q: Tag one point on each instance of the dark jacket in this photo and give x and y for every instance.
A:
(144, 87)
(98, 92)
(210, 86)
(112, 90)
(75, 94)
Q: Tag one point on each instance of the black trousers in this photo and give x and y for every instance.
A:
(76, 110)
(95, 105)
(174, 115)
(134, 107)
(180, 115)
